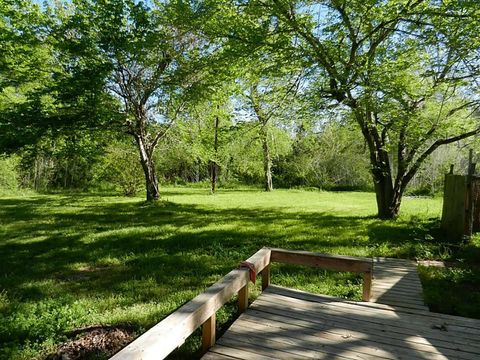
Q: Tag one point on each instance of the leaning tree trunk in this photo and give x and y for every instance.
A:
(148, 166)
(267, 161)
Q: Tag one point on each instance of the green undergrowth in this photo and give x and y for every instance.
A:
(69, 261)
(455, 289)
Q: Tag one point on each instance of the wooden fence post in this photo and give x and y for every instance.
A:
(367, 285)
(243, 299)
(265, 277)
(208, 333)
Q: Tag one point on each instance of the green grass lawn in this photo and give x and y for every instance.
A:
(69, 261)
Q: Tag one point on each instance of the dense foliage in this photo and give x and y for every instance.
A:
(281, 93)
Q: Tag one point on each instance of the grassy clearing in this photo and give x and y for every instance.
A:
(74, 260)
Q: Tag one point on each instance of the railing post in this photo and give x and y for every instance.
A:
(265, 277)
(243, 299)
(208, 333)
(367, 285)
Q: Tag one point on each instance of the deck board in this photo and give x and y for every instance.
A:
(396, 283)
(289, 324)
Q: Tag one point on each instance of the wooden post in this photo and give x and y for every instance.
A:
(469, 198)
(215, 149)
(208, 333)
(265, 277)
(243, 299)
(367, 285)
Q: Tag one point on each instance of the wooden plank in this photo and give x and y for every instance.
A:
(308, 346)
(370, 325)
(392, 299)
(217, 356)
(170, 333)
(396, 261)
(252, 345)
(283, 347)
(398, 301)
(395, 278)
(331, 262)
(466, 322)
(342, 327)
(238, 352)
(420, 319)
(399, 284)
(209, 333)
(411, 277)
(396, 282)
(335, 341)
(415, 292)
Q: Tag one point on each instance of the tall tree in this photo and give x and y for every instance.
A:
(267, 98)
(26, 64)
(407, 70)
(148, 61)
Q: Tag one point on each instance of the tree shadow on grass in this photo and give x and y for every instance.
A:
(141, 237)
(81, 246)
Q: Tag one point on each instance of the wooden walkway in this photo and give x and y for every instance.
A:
(289, 324)
(391, 322)
(396, 283)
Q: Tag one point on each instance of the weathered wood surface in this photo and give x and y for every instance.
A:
(454, 206)
(289, 324)
(325, 261)
(329, 262)
(171, 332)
(396, 283)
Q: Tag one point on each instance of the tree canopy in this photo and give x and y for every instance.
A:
(405, 73)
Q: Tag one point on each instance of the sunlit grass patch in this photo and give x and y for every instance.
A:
(70, 261)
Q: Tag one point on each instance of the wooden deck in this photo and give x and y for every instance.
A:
(396, 283)
(289, 324)
(391, 322)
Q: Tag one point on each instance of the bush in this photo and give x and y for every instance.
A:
(8, 173)
(120, 168)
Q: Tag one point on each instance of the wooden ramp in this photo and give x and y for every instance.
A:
(396, 283)
(289, 324)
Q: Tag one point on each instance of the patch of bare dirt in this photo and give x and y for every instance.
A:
(94, 342)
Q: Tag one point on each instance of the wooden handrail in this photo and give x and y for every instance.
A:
(325, 261)
(330, 262)
(170, 333)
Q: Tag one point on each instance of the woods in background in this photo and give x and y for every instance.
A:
(329, 94)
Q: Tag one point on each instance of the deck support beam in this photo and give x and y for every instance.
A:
(243, 299)
(265, 277)
(367, 285)
(209, 333)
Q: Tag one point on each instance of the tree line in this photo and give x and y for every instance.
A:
(333, 92)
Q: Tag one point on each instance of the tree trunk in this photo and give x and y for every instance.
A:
(388, 196)
(148, 166)
(267, 161)
(215, 149)
(388, 202)
(151, 181)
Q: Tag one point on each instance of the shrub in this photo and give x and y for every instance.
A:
(8, 173)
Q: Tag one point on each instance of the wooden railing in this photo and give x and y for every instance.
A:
(170, 333)
(360, 265)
